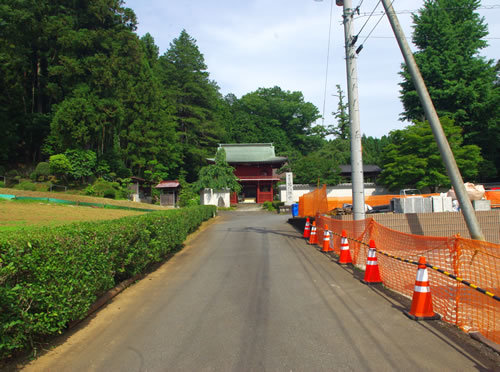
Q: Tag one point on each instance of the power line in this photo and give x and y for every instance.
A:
(411, 11)
(373, 11)
(376, 24)
(409, 38)
(327, 62)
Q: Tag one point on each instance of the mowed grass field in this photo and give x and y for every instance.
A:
(15, 214)
(18, 214)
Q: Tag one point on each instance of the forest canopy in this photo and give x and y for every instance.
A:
(85, 97)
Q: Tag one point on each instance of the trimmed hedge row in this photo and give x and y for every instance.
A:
(51, 276)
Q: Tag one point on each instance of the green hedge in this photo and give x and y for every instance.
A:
(51, 276)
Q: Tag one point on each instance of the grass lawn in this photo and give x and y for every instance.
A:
(81, 198)
(16, 214)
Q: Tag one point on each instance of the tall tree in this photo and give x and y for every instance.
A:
(373, 148)
(321, 165)
(412, 158)
(281, 117)
(192, 99)
(218, 176)
(342, 129)
(449, 35)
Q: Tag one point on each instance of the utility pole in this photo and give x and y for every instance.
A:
(437, 129)
(358, 191)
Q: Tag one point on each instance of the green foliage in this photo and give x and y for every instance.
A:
(2, 184)
(373, 148)
(25, 185)
(218, 176)
(462, 83)
(59, 165)
(343, 128)
(42, 171)
(268, 206)
(277, 116)
(78, 81)
(322, 165)
(188, 195)
(82, 163)
(412, 159)
(51, 276)
(107, 189)
(193, 99)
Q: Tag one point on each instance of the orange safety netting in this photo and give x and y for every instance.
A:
(371, 200)
(313, 202)
(494, 197)
(474, 261)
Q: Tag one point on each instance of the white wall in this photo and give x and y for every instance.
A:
(344, 189)
(211, 197)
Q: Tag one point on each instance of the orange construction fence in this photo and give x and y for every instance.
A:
(474, 261)
(494, 197)
(314, 202)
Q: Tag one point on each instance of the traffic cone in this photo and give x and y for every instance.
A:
(307, 229)
(313, 239)
(326, 240)
(372, 272)
(421, 304)
(345, 254)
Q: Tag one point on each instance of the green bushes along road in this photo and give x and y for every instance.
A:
(51, 276)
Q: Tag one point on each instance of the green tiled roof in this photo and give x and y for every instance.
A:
(251, 153)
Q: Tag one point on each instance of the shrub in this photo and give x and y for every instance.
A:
(51, 276)
(42, 169)
(105, 188)
(2, 184)
(268, 206)
(25, 185)
(89, 190)
(59, 165)
(109, 193)
(188, 197)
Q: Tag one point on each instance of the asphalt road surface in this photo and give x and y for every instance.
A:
(248, 294)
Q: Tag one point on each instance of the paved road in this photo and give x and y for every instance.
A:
(247, 294)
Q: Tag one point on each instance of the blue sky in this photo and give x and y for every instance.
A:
(263, 43)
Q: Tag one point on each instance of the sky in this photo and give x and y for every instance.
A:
(255, 44)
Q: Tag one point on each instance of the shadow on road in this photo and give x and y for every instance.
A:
(448, 333)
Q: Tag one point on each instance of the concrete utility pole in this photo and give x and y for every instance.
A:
(437, 129)
(358, 191)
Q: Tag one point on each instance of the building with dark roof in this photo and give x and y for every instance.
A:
(255, 166)
(370, 172)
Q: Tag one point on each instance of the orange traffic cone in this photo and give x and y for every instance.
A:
(345, 254)
(313, 239)
(307, 229)
(326, 240)
(372, 273)
(421, 304)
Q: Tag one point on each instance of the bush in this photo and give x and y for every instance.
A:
(59, 165)
(109, 193)
(268, 206)
(25, 185)
(42, 169)
(104, 188)
(51, 276)
(2, 184)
